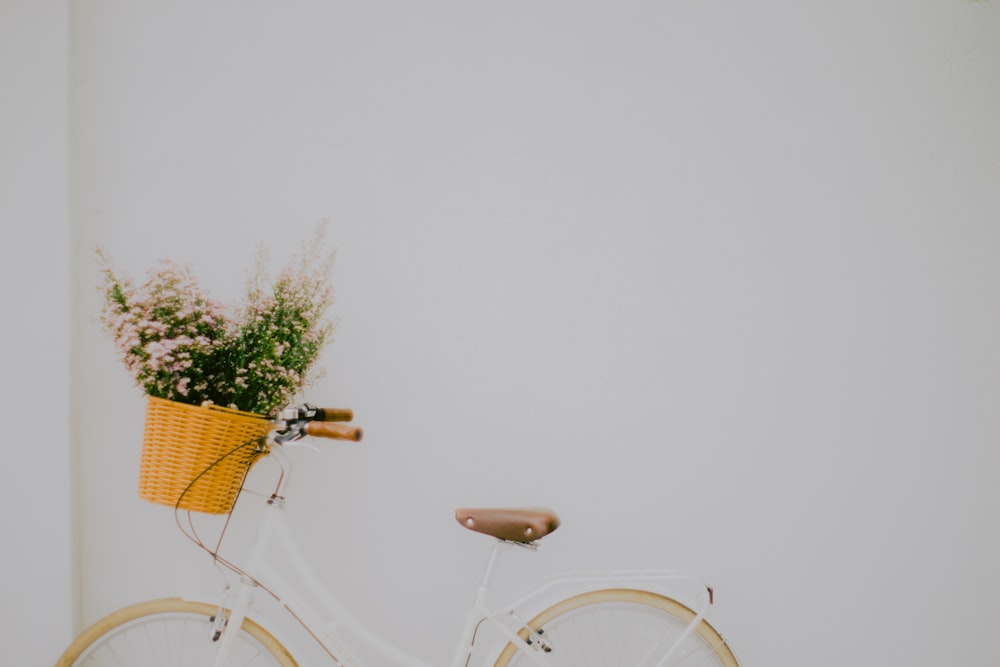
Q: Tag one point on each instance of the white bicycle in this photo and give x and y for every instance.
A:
(612, 619)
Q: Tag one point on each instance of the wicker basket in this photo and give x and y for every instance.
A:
(183, 441)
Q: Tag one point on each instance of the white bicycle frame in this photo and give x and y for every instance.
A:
(326, 627)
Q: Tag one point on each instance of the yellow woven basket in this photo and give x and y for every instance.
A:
(183, 441)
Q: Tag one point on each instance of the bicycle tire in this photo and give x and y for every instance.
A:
(619, 626)
(170, 632)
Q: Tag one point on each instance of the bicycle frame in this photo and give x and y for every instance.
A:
(326, 626)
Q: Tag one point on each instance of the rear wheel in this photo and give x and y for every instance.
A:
(619, 627)
(169, 633)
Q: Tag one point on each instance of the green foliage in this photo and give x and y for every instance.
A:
(180, 345)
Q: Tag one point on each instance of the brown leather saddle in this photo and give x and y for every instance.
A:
(512, 525)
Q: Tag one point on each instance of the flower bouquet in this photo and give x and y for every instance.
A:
(212, 374)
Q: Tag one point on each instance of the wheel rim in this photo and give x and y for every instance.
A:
(169, 639)
(621, 628)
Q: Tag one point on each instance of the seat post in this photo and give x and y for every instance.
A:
(499, 547)
(479, 611)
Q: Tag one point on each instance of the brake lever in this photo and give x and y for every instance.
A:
(292, 431)
(294, 419)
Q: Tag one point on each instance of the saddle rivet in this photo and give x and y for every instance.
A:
(528, 531)
(470, 522)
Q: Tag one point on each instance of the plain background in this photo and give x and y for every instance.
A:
(36, 276)
(717, 282)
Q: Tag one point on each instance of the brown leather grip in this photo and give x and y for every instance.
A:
(334, 415)
(334, 431)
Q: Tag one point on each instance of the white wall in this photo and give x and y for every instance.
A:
(716, 281)
(35, 274)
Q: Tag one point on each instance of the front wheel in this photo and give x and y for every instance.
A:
(169, 633)
(619, 627)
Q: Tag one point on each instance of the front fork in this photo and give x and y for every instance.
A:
(227, 622)
(221, 617)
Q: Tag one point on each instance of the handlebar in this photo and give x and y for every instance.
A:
(297, 421)
(333, 415)
(329, 429)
